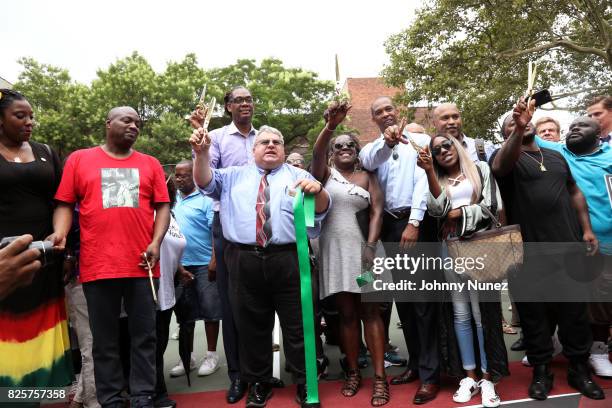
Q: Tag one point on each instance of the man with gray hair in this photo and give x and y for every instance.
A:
(261, 252)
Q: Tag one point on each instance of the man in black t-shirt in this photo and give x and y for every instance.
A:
(542, 197)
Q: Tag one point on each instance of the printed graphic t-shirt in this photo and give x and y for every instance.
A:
(116, 200)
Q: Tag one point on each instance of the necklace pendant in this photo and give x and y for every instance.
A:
(17, 160)
(542, 168)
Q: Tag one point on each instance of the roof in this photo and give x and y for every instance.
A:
(5, 84)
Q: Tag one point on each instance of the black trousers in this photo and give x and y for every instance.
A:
(228, 325)
(538, 321)
(104, 306)
(261, 284)
(419, 319)
(163, 333)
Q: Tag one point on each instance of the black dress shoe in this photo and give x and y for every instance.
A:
(236, 391)
(541, 383)
(579, 377)
(406, 377)
(519, 345)
(300, 394)
(300, 397)
(276, 383)
(259, 394)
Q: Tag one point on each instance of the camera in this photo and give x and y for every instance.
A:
(45, 248)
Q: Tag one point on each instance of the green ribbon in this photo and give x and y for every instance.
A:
(303, 216)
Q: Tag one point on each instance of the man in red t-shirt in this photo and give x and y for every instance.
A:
(124, 213)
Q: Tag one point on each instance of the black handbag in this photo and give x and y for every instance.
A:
(363, 220)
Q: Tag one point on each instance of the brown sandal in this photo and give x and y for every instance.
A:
(380, 392)
(352, 383)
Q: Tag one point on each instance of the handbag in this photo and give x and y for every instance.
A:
(499, 248)
(363, 220)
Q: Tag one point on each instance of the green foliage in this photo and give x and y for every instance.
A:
(72, 116)
(476, 54)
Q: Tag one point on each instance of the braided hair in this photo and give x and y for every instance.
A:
(7, 97)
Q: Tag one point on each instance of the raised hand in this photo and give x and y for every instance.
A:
(394, 134)
(335, 113)
(196, 120)
(199, 140)
(424, 159)
(522, 113)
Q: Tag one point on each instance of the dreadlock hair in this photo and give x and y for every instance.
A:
(7, 97)
(228, 97)
(330, 150)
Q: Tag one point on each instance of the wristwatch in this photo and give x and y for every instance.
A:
(414, 223)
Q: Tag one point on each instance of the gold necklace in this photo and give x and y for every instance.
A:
(541, 162)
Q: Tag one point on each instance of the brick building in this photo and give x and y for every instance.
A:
(362, 92)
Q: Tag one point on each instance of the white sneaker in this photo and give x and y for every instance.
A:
(174, 336)
(179, 370)
(599, 359)
(210, 364)
(488, 394)
(467, 389)
(525, 362)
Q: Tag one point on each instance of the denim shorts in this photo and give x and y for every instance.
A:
(208, 294)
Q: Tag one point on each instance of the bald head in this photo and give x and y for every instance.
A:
(583, 135)
(122, 128)
(120, 110)
(447, 120)
(415, 128)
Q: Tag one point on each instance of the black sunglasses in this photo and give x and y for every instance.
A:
(436, 150)
(340, 146)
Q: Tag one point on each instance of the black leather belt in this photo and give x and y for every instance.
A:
(400, 214)
(269, 248)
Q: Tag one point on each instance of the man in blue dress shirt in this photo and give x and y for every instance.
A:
(404, 221)
(256, 213)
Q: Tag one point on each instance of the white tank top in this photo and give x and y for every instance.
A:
(461, 194)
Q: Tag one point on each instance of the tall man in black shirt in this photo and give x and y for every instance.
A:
(541, 195)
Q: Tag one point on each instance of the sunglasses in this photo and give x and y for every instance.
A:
(436, 150)
(348, 145)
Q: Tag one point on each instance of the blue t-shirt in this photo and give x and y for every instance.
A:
(593, 175)
(194, 215)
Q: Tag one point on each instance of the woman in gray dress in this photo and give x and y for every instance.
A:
(341, 243)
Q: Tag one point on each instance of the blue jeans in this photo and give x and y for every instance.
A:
(466, 307)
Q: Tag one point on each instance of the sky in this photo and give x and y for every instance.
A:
(84, 36)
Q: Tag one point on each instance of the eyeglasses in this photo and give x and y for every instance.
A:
(348, 145)
(295, 161)
(274, 142)
(436, 150)
(242, 99)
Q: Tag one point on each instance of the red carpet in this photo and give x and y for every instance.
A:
(513, 387)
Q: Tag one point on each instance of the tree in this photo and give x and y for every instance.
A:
(72, 115)
(476, 53)
(290, 99)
